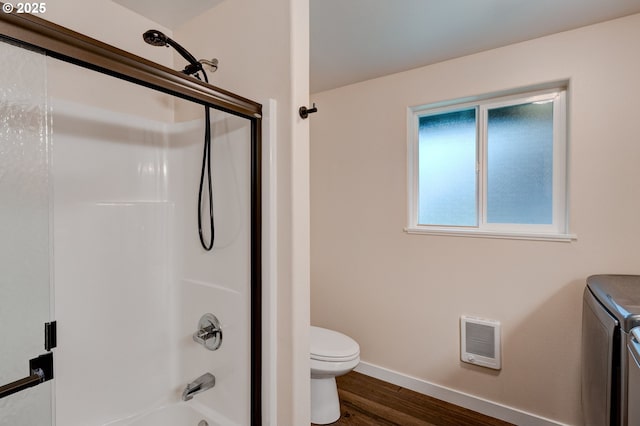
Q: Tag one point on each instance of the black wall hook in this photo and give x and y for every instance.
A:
(304, 111)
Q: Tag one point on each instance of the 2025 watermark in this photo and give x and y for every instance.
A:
(33, 8)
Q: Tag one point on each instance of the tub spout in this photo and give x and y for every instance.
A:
(201, 384)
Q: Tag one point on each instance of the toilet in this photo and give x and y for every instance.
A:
(332, 354)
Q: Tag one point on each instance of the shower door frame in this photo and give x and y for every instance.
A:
(34, 33)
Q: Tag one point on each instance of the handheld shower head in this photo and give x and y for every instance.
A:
(157, 38)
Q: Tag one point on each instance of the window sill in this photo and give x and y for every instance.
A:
(475, 233)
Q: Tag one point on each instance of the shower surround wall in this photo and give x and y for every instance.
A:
(215, 282)
(131, 279)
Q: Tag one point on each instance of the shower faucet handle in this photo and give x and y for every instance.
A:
(209, 333)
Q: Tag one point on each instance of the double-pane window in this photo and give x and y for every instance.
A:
(494, 167)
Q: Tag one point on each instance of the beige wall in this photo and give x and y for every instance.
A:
(400, 296)
(116, 25)
(110, 23)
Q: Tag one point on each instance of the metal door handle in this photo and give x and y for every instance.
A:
(41, 369)
(35, 379)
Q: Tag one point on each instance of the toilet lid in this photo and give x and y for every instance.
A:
(329, 345)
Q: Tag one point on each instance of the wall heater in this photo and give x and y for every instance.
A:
(480, 342)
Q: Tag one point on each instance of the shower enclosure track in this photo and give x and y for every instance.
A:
(37, 34)
(70, 46)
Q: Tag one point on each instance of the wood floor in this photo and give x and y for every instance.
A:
(365, 401)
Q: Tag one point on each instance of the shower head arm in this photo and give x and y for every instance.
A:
(194, 66)
(192, 69)
(183, 52)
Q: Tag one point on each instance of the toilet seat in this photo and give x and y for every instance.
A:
(331, 346)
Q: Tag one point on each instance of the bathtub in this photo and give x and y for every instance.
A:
(179, 414)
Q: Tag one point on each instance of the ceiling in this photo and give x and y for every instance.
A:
(356, 40)
(169, 13)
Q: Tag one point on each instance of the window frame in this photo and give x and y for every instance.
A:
(558, 229)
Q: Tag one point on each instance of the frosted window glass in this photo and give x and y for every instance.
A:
(447, 169)
(520, 164)
(24, 231)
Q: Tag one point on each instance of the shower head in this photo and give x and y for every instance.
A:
(157, 38)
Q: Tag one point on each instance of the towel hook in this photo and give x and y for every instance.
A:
(304, 111)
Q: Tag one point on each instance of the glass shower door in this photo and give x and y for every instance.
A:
(25, 285)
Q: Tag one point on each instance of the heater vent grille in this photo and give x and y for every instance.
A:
(480, 342)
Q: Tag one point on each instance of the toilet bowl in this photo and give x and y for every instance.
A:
(332, 354)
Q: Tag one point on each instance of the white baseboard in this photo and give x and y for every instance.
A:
(489, 408)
